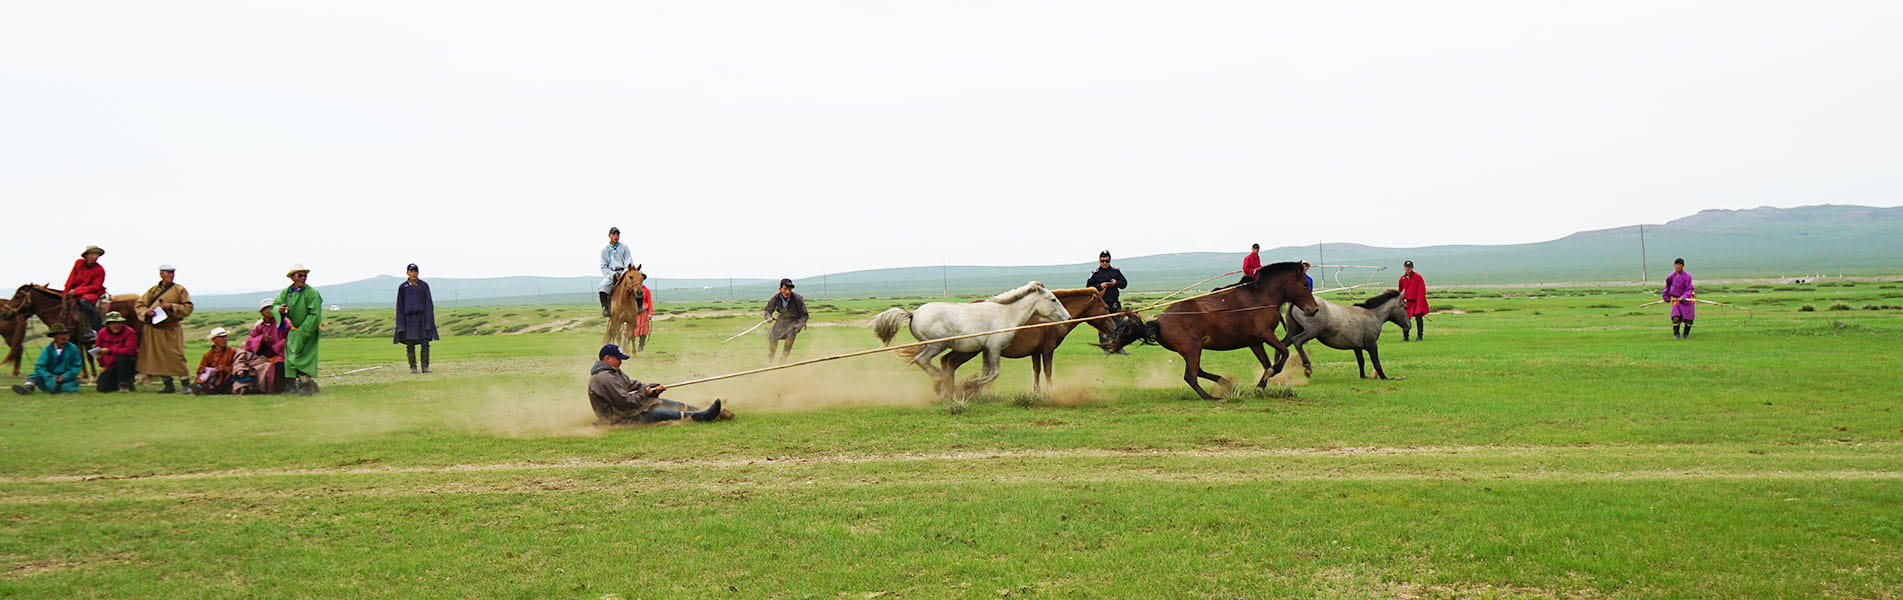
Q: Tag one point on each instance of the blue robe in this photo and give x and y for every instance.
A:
(66, 367)
(415, 313)
(614, 259)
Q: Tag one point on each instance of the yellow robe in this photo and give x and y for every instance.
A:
(162, 346)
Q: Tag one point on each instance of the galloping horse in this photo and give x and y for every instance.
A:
(624, 306)
(1243, 315)
(951, 319)
(1041, 344)
(52, 307)
(1340, 327)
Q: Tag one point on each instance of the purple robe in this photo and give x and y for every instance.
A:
(415, 313)
(1679, 285)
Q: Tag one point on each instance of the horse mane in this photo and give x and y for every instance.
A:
(1018, 294)
(1377, 301)
(1277, 269)
(1073, 293)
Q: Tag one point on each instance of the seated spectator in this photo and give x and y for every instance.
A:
(255, 368)
(214, 368)
(57, 372)
(117, 349)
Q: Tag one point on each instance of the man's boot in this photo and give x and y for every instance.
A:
(604, 302)
(425, 358)
(1688, 330)
(22, 389)
(412, 352)
(1675, 331)
(712, 412)
(305, 385)
(168, 389)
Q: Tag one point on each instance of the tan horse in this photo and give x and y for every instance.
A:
(624, 307)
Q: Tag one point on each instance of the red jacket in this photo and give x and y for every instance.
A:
(1251, 263)
(125, 343)
(86, 282)
(1414, 291)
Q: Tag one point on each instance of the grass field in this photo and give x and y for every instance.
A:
(1543, 444)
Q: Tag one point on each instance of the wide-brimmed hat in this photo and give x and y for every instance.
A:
(56, 329)
(216, 332)
(786, 283)
(266, 303)
(114, 317)
(92, 249)
(295, 269)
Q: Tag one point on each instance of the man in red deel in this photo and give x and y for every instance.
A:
(1414, 291)
(87, 282)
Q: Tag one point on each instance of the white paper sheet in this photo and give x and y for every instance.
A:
(158, 316)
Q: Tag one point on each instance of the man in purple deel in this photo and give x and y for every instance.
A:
(1678, 291)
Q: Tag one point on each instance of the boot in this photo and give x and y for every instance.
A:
(1688, 330)
(168, 389)
(412, 352)
(305, 385)
(126, 386)
(22, 389)
(712, 412)
(643, 345)
(425, 358)
(604, 303)
(1675, 331)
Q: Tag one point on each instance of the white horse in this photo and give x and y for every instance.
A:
(951, 319)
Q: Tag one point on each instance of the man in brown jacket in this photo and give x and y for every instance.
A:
(162, 343)
(618, 400)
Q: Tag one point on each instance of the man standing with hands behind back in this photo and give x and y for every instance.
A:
(162, 341)
(1109, 280)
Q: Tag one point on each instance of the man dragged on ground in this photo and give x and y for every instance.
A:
(618, 400)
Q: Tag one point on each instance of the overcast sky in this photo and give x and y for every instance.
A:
(777, 138)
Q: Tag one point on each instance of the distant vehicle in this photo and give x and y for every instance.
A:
(334, 307)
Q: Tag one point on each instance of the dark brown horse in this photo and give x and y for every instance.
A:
(1041, 344)
(51, 307)
(13, 330)
(1241, 316)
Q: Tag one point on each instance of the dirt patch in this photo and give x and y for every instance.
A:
(18, 567)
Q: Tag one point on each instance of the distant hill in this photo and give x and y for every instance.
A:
(1759, 242)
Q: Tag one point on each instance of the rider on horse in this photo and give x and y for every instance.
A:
(84, 284)
(615, 258)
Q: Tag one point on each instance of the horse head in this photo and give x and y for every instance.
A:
(1284, 282)
(1390, 307)
(1088, 302)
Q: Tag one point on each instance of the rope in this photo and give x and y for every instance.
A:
(749, 330)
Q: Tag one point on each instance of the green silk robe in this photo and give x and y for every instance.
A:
(305, 314)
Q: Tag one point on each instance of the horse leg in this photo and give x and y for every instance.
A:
(994, 362)
(1374, 355)
(1267, 367)
(1360, 363)
(1037, 371)
(924, 362)
(1281, 352)
(1049, 357)
(1192, 369)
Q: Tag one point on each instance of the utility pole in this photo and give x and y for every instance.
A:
(825, 291)
(1320, 258)
(730, 289)
(1643, 275)
(944, 280)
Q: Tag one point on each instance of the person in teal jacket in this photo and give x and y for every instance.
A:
(302, 309)
(58, 369)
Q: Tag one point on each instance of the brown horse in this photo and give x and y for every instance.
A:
(1041, 344)
(624, 307)
(13, 329)
(1241, 316)
(51, 307)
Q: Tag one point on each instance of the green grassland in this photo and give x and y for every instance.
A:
(1543, 443)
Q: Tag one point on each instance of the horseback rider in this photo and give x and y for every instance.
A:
(84, 285)
(1110, 280)
(615, 258)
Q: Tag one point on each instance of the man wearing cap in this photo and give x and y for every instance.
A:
(1110, 280)
(302, 310)
(615, 258)
(1414, 291)
(162, 341)
(618, 400)
(1253, 261)
(57, 372)
(791, 320)
(1678, 291)
(84, 285)
(415, 317)
(1306, 279)
(117, 349)
(214, 368)
(255, 367)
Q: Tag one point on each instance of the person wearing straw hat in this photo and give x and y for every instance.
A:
(57, 371)
(161, 339)
(255, 369)
(790, 308)
(1414, 291)
(215, 367)
(615, 258)
(302, 311)
(1678, 291)
(84, 285)
(117, 350)
(618, 400)
(415, 317)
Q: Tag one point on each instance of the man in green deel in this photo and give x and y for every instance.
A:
(303, 311)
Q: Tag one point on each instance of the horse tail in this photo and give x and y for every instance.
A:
(887, 324)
